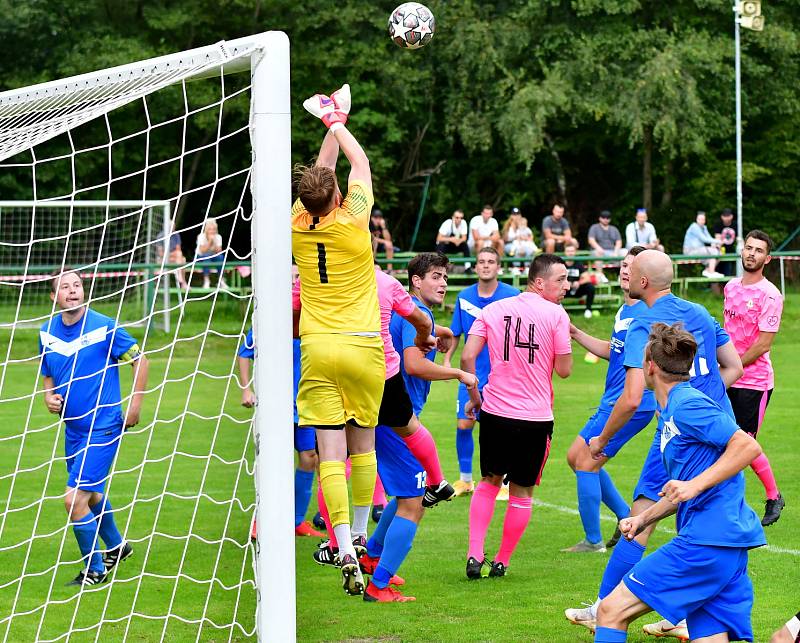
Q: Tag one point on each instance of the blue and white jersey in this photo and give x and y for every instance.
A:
(708, 334)
(403, 336)
(82, 359)
(468, 307)
(248, 351)
(615, 375)
(694, 434)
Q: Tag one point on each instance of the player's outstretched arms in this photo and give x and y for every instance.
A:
(730, 364)
(329, 152)
(563, 365)
(599, 347)
(53, 401)
(740, 451)
(623, 411)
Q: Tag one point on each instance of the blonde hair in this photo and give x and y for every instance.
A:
(672, 349)
(316, 187)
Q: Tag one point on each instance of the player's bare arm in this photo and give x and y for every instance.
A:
(445, 340)
(141, 368)
(359, 163)
(600, 347)
(328, 152)
(622, 412)
(417, 365)
(472, 349)
(730, 364)
(636, 524)
(423, 325)
(563, 365)
(53, 401)
(248, 396)
(762, 345)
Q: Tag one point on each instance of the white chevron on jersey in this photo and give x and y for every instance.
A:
(71, 348)
(469, 308)
(621, 324)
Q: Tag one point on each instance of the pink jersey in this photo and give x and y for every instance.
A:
(524, 335)
(749, 310)
(391, 297)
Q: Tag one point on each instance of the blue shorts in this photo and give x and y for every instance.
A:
(653, 476)
(401, 473)
(89, 461)
(461, 402)
(708, 586)
(305, 438)
(594, 426)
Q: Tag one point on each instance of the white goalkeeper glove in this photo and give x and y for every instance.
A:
(331, 110)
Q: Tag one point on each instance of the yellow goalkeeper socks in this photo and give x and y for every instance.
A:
(362, 476)
(334, 488)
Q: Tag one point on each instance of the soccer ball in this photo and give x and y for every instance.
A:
(411, 25)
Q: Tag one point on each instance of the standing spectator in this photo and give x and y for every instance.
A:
(453, 233)
(604, 238)
(209, 248)
(556, 234)
(484, 231)
(725, 233)
(175, 255)
(580, 283)
(523, 245)
(381, 239)
(642, 233)
(698, 241)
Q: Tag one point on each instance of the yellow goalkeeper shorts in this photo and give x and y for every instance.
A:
(341, 380)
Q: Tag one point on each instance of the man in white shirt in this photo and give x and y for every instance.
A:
(484, 231)
(642, 233)
(453, 234)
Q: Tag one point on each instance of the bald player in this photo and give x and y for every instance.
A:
(715, 367)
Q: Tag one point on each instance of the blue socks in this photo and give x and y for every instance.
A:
(465, 448)
(302, 494)
(589, 495)
(399, 538)
(609, 635)
(85, 533)
(106, 525)
(625, 555)
(611, 497)
(376, 540)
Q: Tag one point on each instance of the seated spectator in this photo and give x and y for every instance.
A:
(580, 282)
(453, 233)
(523, 245)
(698, 241)
(484, 231)
(381, 239)
(209, 249)
(509, 231)
(175, 255)
(725, 233)
(642, 233)
(556, 235)
(604, 238)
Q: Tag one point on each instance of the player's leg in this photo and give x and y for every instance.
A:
(616, 612)
(421, 443)
(378, 499)
(465, 444)
(361, 445)
(789, 633)
(307, 462)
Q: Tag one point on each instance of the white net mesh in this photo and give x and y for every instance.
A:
(178, 154)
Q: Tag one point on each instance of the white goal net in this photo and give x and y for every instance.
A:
(154, 183)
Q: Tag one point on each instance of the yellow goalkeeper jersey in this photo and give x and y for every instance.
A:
(334, 257)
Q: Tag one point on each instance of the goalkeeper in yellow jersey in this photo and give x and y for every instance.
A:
(342, 365)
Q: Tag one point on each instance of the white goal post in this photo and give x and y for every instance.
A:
(33, 116)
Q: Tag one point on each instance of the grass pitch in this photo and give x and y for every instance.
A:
(194, 480)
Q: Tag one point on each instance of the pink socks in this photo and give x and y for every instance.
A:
(481, 510)
(518, 514)
(764, 472)
(323, 511)
(423, 447)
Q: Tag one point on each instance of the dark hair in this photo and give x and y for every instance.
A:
(424, 262)
(488, 250)
(55, 276)
(726, 212)
(316, 185)
(488, 207)
(542, 264)
(761, 236)
(636, 250)
(560, 204)
(672, 349)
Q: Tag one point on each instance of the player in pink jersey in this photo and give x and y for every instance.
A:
(528, 338)
(753, 309)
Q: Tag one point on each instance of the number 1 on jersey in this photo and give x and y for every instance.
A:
(531, 345)
(322, 264)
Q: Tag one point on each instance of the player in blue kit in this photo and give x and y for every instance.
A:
(402, 474)
(701, 574)
(594, 483)
(469, 304)
(304, 440)
(716, 366)
(80, 355)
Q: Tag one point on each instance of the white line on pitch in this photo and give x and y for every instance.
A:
(574, 512)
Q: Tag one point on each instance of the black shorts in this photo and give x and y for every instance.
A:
(517, 449)
(396, 409)
(749, 406)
